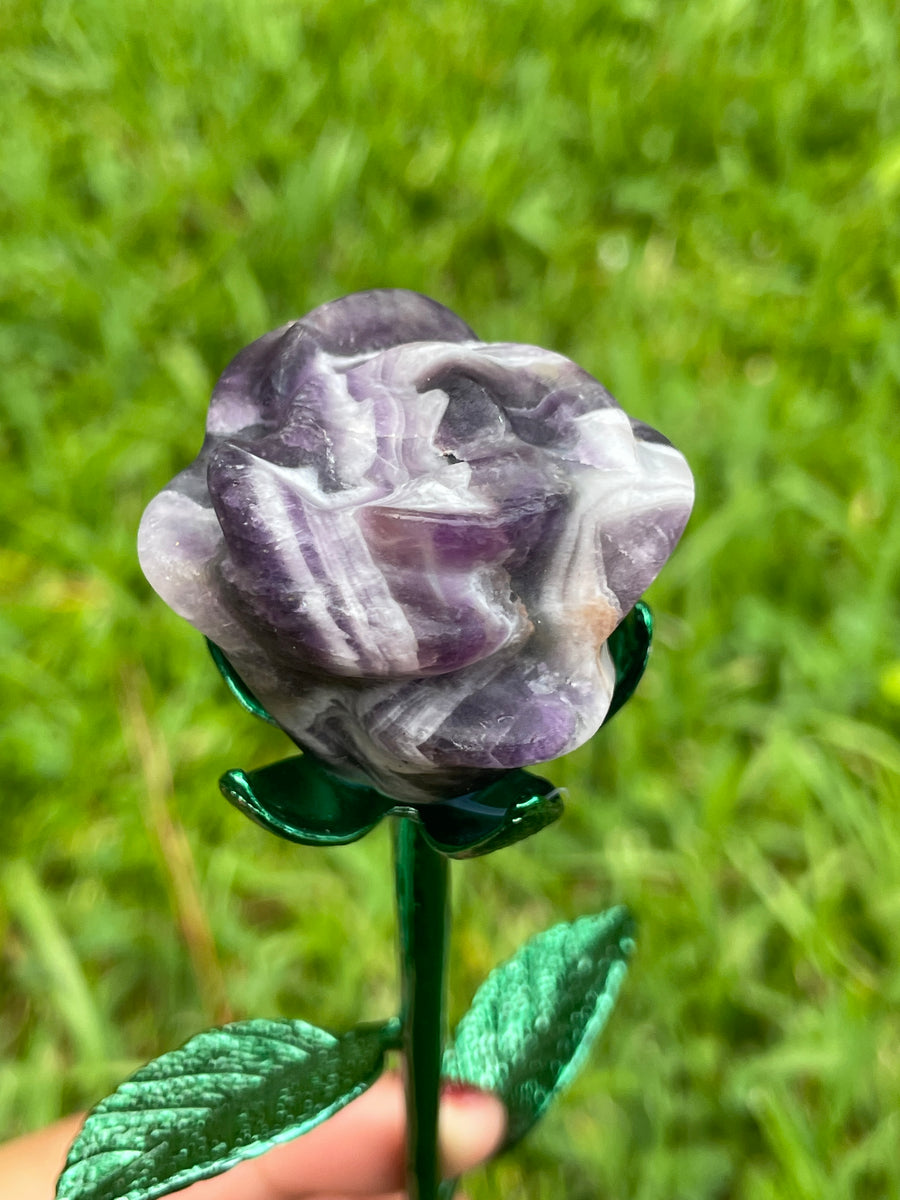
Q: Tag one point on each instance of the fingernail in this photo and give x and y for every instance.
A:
(472, 1126)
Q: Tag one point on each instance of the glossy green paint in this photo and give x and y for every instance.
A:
(300, 800)
(423, 916)
(516, 806)
(236, 685)
(629, 644)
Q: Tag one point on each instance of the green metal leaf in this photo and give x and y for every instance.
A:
(227, 1095)
(534, 1018)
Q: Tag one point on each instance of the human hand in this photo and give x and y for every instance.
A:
(359, 1152)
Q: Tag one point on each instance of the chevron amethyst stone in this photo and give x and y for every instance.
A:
(413, 545)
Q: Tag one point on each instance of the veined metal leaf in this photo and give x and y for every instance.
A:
(534, 1018)
(227, 1095)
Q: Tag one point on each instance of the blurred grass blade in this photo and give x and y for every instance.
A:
(176, 856)
(792, 1143)
(227, 1095)
(61, 981)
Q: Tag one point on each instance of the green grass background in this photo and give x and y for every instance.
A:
(696, 201)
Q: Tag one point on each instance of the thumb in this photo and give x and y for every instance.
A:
(471, 1127)
(361, 1149)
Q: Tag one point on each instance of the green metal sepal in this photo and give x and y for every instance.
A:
(629, 644)
(236, 685)
(301, 800)
(505, 812)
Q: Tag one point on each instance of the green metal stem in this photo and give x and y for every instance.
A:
(423, 914)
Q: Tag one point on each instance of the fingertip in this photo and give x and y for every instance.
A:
(472, 1126)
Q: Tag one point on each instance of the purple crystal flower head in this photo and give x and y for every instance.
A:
(413, 545)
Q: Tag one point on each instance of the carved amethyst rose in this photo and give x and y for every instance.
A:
(413, 545)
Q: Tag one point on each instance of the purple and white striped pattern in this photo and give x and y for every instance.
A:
(413, 545)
